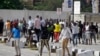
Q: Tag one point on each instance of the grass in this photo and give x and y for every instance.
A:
(2, 41)
(32, 48)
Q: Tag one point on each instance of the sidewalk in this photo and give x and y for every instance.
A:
(10, 51)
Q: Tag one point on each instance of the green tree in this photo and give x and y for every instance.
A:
(48, 5)
(10, 4)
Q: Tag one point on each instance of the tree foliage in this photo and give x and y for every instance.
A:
(10, 4)
(48, 5)
(85, 7)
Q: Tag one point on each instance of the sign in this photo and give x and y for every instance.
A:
(59, 11)
(69, 4)
(77, 7)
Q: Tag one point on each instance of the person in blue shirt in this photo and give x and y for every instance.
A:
(16, 36)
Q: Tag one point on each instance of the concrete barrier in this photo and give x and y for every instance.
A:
(21, 44)
(86, 53)
(59, 51)
(96, 53)
(4, 39)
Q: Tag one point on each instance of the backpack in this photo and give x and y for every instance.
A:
(50, 28)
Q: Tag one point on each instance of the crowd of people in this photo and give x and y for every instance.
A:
(42, 30)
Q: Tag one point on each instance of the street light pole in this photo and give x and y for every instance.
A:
(73, 11)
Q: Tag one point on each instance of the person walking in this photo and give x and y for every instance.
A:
(16, 36)
(65, 37)
(44, 40)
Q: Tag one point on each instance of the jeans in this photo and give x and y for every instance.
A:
(92, 36)
(50, 35)
(75, 37)
(38, 33)
(83, 38)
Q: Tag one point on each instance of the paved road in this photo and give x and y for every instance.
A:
(10, 51)
(95, 47)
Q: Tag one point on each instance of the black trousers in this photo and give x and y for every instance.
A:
(50, 35)
(38, 33)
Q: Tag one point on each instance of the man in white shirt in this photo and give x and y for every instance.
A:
(75, 32)
(30, 24)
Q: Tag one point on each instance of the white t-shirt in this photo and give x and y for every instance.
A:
(62, 23)
(34, 36)
(65, 33)
(75, 29)
(30, 23)
(87, 27)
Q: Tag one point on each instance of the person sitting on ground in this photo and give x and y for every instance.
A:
(34, 38)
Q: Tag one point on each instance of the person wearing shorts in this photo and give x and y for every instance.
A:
(65, 37)
(44, 40)
(16, 36)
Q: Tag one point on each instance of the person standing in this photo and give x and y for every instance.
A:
(16, 36)
(50, 28)
(96, 29)
(80, 31)
(24, 27)
(57, 30)
(30, 24)
(43, 22)
(20, 25)
(92, 32)
(87, 33)
(1, 27)
(65, 37)
(37, 26)
(7, 25)
(75, 32)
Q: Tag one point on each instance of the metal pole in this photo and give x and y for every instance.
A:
(73, 10)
